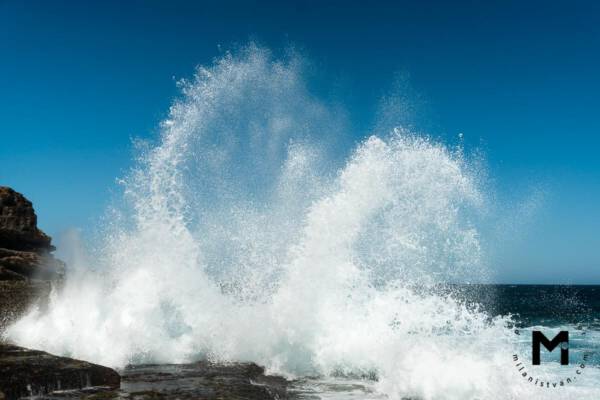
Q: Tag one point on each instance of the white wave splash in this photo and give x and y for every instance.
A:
(244, 237)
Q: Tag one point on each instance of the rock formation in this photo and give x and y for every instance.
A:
(26, 372)
(27, 267)
(25, 251)
(27, 272)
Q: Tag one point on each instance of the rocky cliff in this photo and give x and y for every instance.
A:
(25, 251)
(27, 271)
(27, 266)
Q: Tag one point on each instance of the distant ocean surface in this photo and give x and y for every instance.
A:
(574, 308)
(547, 305)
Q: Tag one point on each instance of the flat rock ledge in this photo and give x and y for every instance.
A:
(36, 374)
(25, 373)
(201, 380)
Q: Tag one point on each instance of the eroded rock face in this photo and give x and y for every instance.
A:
(25, 251)
(18, 223)
(27, 267)
(17, 296)
(27, 264)
(28, 271)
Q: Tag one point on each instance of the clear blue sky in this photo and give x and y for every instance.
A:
(520, 79)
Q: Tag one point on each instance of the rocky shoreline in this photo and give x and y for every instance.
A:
(28, 271)
(25, 372)
(27, 267)
(35, 374)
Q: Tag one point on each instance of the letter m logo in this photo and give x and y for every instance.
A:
(538, 338)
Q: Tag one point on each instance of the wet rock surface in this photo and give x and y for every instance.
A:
(28, 271)
(17, 296)
(202, 380)
(25, 372)
(27, 267)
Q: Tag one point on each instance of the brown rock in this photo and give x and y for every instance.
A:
(24, 249)
(28, 264)
(27, 274)
(27, 269)
(18, 223)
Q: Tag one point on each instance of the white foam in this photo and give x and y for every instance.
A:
(242, 238)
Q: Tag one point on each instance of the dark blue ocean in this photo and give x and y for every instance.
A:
(547, 305)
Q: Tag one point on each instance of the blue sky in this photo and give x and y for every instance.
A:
(78, 80)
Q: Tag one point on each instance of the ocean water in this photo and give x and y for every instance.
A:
(547, 308)
(247, 232)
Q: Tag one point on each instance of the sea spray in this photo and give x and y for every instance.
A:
(242, 236)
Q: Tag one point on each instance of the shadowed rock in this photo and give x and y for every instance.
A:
(27, 264)
(26, 372)
(200, 380)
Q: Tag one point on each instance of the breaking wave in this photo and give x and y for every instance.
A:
(245, 235)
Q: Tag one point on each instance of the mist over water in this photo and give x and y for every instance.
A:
(244, 236)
